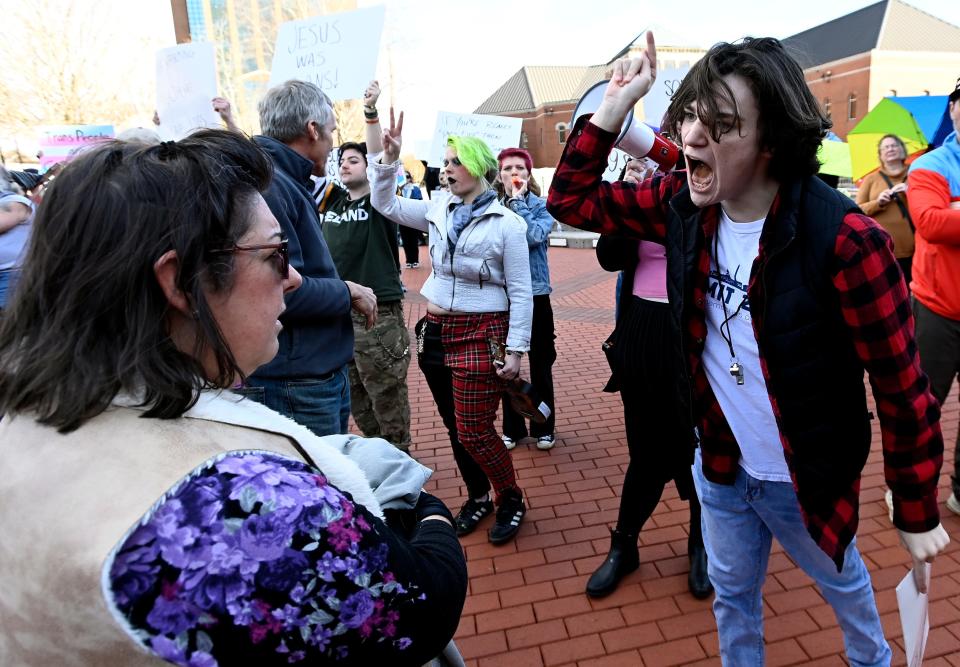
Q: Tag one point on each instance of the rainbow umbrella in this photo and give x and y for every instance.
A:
(834, 157)
(920, 121)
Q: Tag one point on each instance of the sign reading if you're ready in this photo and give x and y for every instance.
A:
(498, 131)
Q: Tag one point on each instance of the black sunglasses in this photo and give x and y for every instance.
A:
(282, 254)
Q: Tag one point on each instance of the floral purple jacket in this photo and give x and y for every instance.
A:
(255, 558)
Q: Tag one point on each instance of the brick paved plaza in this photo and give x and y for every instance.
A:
(526, 605)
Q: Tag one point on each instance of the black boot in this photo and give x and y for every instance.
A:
(697, 581)
(621, 561)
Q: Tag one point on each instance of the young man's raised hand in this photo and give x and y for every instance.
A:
(371, 95)
(632, 79)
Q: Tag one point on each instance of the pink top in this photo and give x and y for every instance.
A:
(650, 277)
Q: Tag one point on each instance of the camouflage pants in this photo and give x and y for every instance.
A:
(378, 376)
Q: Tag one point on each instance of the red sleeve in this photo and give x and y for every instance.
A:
(581, 198)
(928, 195)
(876, 307)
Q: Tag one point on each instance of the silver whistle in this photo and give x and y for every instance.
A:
(736, 370)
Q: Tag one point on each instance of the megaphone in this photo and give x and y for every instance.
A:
(637, 139)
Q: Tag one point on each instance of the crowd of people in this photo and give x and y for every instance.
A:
(178, 371)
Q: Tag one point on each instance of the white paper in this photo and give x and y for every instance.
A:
(656, 101)
(498, 132)
(337, 52)
(186, 86)
(914, 616)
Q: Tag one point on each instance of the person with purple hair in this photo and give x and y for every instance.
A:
(478, 294)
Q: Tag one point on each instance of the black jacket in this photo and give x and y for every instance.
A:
(317, 335)
(813, 370)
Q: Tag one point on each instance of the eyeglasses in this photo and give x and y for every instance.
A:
(281, 256)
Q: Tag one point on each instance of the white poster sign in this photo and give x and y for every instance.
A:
(186, 84)
(914, 616)
(337, 52)
(656, 101)
(498, 131)
(616, 161)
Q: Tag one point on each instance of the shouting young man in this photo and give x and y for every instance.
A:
(783, 294)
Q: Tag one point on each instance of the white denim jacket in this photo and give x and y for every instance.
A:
(489, 270)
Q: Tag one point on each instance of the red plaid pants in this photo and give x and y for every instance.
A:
(477, 390)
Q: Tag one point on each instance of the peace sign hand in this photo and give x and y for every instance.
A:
(393, 139)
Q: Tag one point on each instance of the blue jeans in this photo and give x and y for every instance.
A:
(8, 279)
(739, 522)
(320, 404)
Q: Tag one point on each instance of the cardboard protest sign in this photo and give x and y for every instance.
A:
(186, 84)
(60, 143)
(498, 131)
(337, 52)
(656, 101)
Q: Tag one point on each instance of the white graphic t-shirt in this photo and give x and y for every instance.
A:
(746, 406)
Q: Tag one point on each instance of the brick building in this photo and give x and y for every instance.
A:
(544, 97)
(888, 48)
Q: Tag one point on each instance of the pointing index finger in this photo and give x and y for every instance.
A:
(652, 52)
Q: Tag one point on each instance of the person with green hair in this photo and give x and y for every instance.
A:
(479, 294)
(476, 156)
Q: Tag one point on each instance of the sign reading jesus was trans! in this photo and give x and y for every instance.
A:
(338, 52)
(498, 131)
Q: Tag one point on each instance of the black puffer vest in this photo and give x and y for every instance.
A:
(814, 377)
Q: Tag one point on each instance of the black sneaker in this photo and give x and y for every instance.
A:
(509, 516)
(471, 514)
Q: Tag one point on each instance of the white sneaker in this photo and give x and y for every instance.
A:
(508, 442)
(545, 442)
(888, 496)
(953, 504)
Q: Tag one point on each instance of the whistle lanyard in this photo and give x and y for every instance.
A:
(736, 370)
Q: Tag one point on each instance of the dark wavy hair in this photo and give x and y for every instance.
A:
(88, 319)
(352, 145)
(791, 123)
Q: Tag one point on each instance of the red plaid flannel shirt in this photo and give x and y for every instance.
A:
(875, 306)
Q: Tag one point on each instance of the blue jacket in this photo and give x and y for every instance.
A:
(533, 210)
(317, 336)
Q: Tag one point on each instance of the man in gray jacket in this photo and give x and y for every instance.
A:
(307, 380)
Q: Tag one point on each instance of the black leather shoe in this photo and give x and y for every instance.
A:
(470, 515)
(509, 516)
(623, 559)
(697, 580)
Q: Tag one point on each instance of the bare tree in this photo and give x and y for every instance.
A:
(67, 61)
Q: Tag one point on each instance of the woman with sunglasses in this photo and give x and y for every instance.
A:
(149, 514)
(479, 291)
